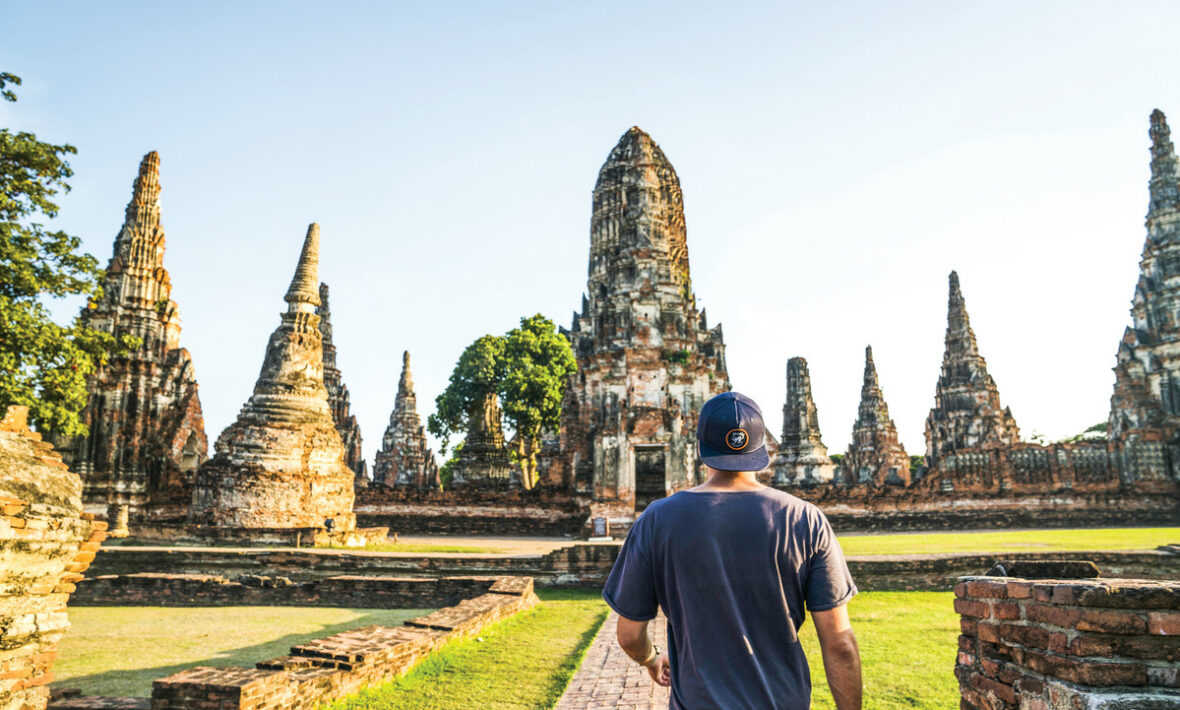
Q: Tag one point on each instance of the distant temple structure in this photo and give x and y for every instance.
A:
(1146, 402)
(146, 431)
(338, 398)
(875, 456)
(405, 458)
(802, 458)
(282, 463)
(967, 413)
(647, 359)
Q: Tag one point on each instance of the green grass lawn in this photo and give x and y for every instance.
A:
(908, 642)
(121, 650)
(522, 663)
(1010, 541)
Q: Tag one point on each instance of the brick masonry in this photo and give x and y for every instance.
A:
(341, 664)
(46, 543)
(579, 564)
(1093, 644)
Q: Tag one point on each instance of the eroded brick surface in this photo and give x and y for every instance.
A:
(405, 457)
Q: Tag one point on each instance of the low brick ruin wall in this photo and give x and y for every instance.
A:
(579, 564)
(46, 543)
(346, 591)
(1095, 644)
(471, 511)
(341, 664)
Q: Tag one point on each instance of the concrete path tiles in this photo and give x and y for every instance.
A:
(609, 679)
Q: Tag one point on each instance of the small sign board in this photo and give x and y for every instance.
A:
(600, 530)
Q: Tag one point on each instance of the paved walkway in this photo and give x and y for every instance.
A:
(609, 679)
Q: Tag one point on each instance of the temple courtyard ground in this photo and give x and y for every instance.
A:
(908, 639)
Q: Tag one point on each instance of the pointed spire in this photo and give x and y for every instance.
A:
(405, 385)
(870, 369)
(325, 314)
(1164, 187)
(960, 338)
(304, 284)
(146, 190)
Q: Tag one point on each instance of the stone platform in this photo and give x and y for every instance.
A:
(578, 564)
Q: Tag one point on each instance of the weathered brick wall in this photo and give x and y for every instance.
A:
(471, 511)
(342, 664)
(347, 591)
(1094, 644)
(580, 564)
(46, 543)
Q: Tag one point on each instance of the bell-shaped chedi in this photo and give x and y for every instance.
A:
(875, 455)
(338, 398)
(281, 464)
(802, 458)
(647, 360)
(967, 413)
(146, 434)
(405, 458)
(1147, 374)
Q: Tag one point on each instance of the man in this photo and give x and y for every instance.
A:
(733, 564)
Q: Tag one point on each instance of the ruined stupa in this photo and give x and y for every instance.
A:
(484, 460)
(875, 455)
(967, 413)
(647, 359)
(146, 432)
(281, 464)
(338, 398)
(802, 458)
(405, 458)
(1145, 406)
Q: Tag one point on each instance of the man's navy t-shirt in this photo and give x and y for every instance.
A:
(733, 572)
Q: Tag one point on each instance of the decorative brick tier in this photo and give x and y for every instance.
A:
(1094, 644)
(342, 664)
(579, 564)
(347, 591)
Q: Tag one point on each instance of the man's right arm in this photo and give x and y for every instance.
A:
(841, 656)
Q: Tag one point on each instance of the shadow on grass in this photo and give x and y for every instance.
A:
(137, 682)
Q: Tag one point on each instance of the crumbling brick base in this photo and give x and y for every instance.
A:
(1095, 644)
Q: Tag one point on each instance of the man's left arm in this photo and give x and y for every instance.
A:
(636, 643)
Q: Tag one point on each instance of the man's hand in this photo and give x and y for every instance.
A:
(635, 642)
(660, 670)
(841, 656)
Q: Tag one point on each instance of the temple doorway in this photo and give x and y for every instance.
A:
(651, 482)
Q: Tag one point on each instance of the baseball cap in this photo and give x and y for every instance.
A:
(731, 435)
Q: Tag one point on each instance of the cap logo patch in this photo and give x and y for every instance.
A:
(737, 439)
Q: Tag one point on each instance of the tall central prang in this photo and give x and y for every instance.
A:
(647, 359)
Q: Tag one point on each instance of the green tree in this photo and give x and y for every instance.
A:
(476, 376)
(43, 365)
(537, 364)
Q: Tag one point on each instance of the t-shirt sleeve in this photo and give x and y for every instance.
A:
(630, 589)
(829, 583)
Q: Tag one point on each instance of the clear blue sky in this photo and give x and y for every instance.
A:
(837, 160)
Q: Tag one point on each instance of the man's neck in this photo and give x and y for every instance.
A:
(729, 481)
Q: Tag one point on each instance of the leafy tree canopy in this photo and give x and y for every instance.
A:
(477, 374)
(527, 370)
(43, 365)
(537, 364)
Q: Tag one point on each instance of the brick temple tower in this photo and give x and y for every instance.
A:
(802, 458)
(875, 455)
(405, 458)
(281, 463)
(338, 398)
(967, 413)
(147, 434)
(1146, 400)
(647, 360)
